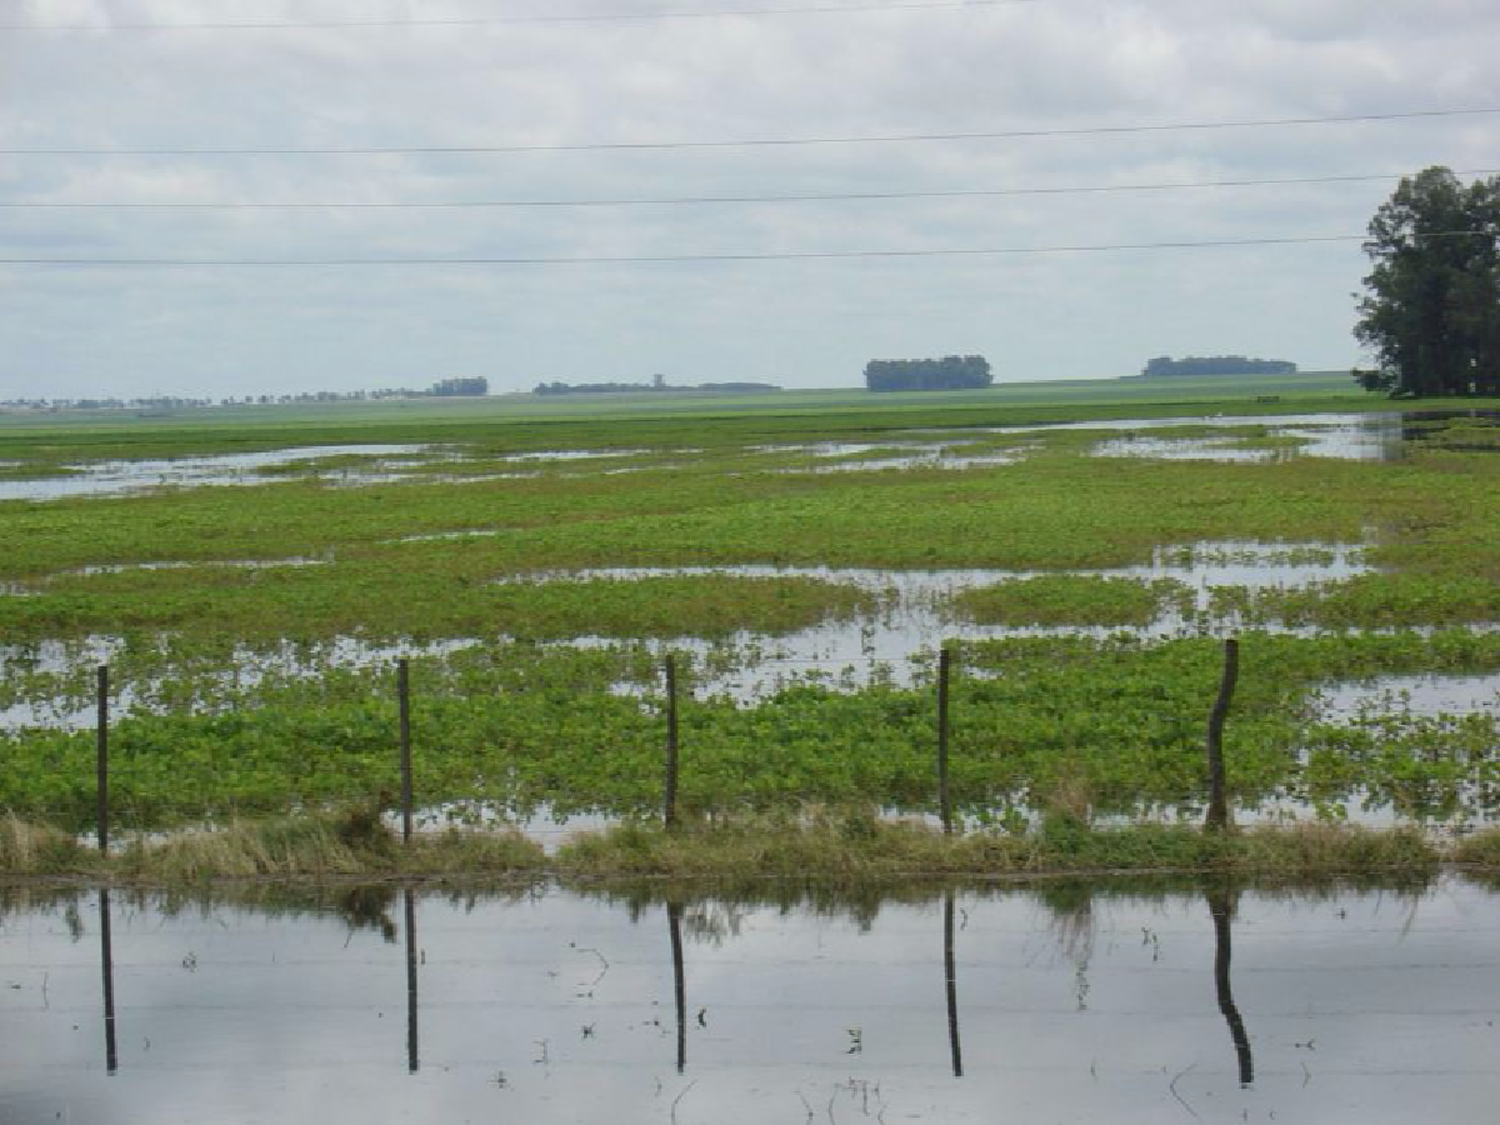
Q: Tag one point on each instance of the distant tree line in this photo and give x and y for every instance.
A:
(950, 373)
(1216, 365)
(638, 388)
(473, 386)
(445, 388)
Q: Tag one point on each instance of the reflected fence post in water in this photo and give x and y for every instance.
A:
(679, 981)
(1217, 819)
(1221, 906)
(107, 962)
(413, 1063)
(101, 792)
(950, 971)
(669, 799)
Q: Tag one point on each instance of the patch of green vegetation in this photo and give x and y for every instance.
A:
(447, 599)
(1088, 726)
(1067, 599)
(1372, 601)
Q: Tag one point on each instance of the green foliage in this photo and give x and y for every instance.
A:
(1076, 728)
(1067, 599)
(1432, 309)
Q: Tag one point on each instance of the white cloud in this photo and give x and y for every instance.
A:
(1055, 64)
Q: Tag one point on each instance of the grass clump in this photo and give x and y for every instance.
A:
(1323, 847)
(1067, 599)
(286, 846)
(27, 848)
(1481, 849)
(842, 844)
(348, 842)
(472, 852)
(858, 845)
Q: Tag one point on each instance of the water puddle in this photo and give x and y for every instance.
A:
(1356, 437)
(115, 478)
(547, 455)
(1428, 696)
(1382, 436)
(1134, 1002)
(915, 614)
(1190, 449)
(895, 643)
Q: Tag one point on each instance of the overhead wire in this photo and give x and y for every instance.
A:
(519, 21)
(761, 142)
(671, 259)
(673, 201)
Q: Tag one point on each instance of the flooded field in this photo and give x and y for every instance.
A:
(801, 577)
(1061, 1002)
(914, 614)
(1362, 437)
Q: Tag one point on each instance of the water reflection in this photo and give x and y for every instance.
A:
(816, 996)
(679, 980)
(107, 961)
(950, 974)
(413, 1063)
(1222, 902)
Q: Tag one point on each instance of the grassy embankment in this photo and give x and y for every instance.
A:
(819, 846)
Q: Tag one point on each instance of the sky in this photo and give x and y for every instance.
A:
(1065, 283)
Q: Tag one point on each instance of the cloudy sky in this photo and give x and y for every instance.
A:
(547, 96)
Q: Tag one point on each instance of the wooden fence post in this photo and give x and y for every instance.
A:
(669, 806)
(945, 809)
(101, 798)
(403, 694)
(1217, 819)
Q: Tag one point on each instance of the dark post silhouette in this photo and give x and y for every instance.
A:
(101, 798)
(669, 809)
(107, 961)
(1221, 907)
(413, 1063)
(950, 970)
(945, 809)
(679, 981)
(403, 694)
(1217, 819)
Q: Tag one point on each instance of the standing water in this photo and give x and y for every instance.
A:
(1131, 1002)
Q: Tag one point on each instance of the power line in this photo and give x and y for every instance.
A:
(671, 201)
(670, 259)
(514, 21)
(764, 142)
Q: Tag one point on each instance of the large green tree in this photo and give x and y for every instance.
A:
(1431, 309)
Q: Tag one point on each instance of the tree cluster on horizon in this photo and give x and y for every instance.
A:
(1216, 365)
(659, 383)
(950, 373)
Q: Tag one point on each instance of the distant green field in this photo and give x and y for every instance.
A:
(524, 421)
